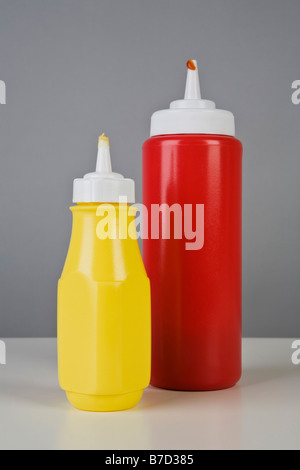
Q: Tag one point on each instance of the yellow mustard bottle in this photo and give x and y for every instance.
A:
(104, 326)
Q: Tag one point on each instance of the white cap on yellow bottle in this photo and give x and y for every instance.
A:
(103, 185)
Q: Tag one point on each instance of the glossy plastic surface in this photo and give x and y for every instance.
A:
(196, 295)
(104, 323)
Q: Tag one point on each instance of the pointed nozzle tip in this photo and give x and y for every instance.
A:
(103, 141)
(192, 89)
(103, 159)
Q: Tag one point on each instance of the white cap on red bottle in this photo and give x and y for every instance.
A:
(193, 115)
(103, 185)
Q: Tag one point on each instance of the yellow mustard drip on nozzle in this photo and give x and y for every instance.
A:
(103, 141)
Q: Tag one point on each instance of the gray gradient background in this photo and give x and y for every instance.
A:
(75, 68)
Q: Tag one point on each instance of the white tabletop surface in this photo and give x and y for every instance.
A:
(262, 412)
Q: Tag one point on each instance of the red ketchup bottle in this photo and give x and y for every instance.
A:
(192, 180)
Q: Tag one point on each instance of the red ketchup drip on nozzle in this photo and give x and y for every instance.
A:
(191, 65)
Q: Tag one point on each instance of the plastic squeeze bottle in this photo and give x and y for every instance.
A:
(192, 171)
(104, 324)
